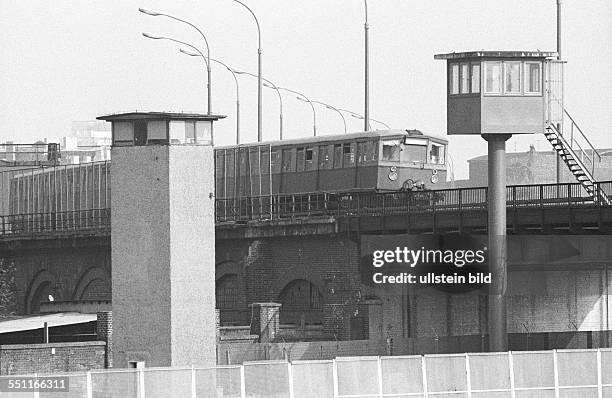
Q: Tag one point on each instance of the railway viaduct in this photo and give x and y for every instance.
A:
(560, 254)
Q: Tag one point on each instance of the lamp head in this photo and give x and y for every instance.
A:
(300, 98)
(267, 85)
(150, 36)
(189, 52)
(149, 12)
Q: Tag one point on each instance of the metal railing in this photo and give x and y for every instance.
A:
(37, 223)
(339, 205)
(371, 203)
(558, 373)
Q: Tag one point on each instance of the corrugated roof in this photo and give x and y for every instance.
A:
(38, 321)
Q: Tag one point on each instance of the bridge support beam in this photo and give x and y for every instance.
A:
(497, 325)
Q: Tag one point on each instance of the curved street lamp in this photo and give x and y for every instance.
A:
(208, 69)
(330, 108)
(314, 115)
(237, 89)
(358, 116)
(259, 75)
(270, 85)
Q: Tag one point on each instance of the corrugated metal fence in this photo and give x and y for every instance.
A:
(559, 373)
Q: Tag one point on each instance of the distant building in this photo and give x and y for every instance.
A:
(534, 167)
(89, 141)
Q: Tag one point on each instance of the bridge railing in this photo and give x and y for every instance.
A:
(364, 203)
(332, 204)
(34, 223)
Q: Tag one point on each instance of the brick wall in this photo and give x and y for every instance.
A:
(51, 358)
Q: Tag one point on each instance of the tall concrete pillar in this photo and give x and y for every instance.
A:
(498, 332)
(163, 255)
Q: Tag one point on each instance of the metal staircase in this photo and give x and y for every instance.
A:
(567, 138)
(580, 161)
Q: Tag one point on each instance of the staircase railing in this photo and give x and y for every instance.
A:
(576, 135)
(565, 125)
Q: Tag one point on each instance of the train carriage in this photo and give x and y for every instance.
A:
(382, 160)
(305, 172)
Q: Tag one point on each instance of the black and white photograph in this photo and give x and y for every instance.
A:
(306, 199)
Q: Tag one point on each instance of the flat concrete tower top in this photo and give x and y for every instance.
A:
(496, 54)
(161, 128)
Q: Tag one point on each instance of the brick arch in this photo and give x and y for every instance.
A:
(293, 274)
(40, 279)
(91, 275)
(227, 268)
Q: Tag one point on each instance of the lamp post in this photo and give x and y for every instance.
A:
(259, 75)
(366, 28)
(314, 115)
(237, 89)
(358, 116)
(270, 85)
(208, 69)
(330, 108)
(150, 36)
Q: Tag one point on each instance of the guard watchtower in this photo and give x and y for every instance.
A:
(163, 239)
(496, 94)
(503, 92)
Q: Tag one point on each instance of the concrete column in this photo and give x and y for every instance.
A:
(104, 331)
(163, 255)
(265, 321)
(498, 333)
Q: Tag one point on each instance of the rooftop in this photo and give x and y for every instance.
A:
(497, 54)
(38, 321)
(136, 115)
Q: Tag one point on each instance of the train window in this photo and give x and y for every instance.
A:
(348, 152)
(254, 166)
(337, 156)
(325, 161)
(436, 153)
(391, 150)
(275, 159)
(311, 161)
(288, 163)
(367, 151)
(309, 154)
(415, 153)
(300, 159)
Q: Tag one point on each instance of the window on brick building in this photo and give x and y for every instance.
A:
(301, 301)
(226, 292)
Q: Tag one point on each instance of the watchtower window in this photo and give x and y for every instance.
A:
(512, 77)
(454, 79)
(465, 78)
(493, 77)
(475, 78)
(533, 78)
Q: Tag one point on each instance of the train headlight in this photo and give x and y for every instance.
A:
(393, 176)
(434, 178)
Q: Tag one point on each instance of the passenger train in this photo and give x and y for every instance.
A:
(390, 160)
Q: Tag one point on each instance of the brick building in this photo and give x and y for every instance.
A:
(535, 167)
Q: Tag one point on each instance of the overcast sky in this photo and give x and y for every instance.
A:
(74, 60)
